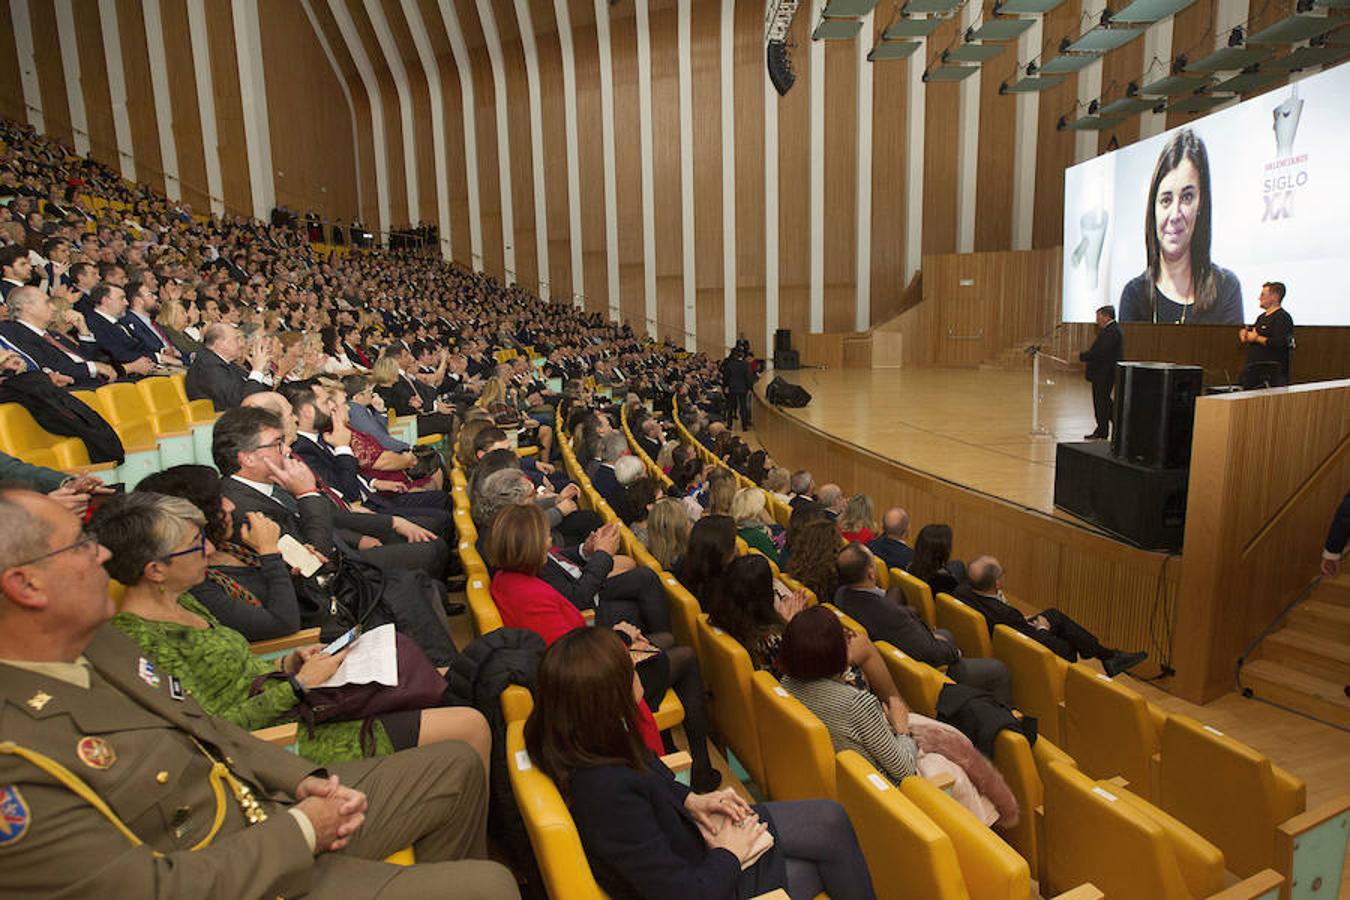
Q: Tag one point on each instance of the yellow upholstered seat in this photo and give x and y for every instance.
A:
(883, 573)
(727, 671)
(553, 834)
(1110, 729)
(1247, 806)
(1097, 831)
(1016, 762)
(918, 595)
(992, 870)
(1037, 677)
(967, 624)
(908, 854)
(517, 703)
(794, 745)
(919, 683)
(684, 612)
(477, 591)
(22, 436)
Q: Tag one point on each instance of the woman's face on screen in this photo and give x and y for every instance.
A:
(1175, 207)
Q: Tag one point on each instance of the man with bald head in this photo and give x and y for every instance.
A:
(30, 316)
(890, 546)
(215, 374)
(114, 782)
(831, 496)
(1051, 628)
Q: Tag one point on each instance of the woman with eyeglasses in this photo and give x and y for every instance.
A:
(160, 550)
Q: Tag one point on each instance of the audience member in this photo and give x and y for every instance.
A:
(933, 561)
(857, 519)
(890, 546)
(753, 524)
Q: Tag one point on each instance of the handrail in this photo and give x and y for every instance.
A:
(1287, 506)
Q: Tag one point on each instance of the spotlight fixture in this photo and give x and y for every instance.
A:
(1179, 64)
(1093, 107)
(1105, 20)
(925, 76)
(1002, 88)
(1303, 6)
(1160, 108)
(998, 8)
(970, 34)
(1032, 69)
(1064, 44)
(946, 55)
(1112, 144)
(1236, 37)
(1132, 89)
(1062, 123)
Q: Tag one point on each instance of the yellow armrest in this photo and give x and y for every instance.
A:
(281, 735)
(301, 638)
(1082, 892)
(1256, 887)
(678, 761)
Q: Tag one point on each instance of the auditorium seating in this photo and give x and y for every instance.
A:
(919, 683)
(1037, 678)
(990, 868)
(795, 748)
(23, 437)
(967, 625)
(1111, 730)
(727, 672)
(918, 595)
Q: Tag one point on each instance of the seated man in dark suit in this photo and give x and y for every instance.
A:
(105, 322)
(612, 446)
(650, 437)
(801, 488)
(887, 618)
(214, 374)
(30, 316)
(1050, 628)
(142, 305)
(890, 546)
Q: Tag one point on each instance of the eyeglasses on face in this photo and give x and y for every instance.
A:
(278, 444)
(198, 546)
(86, 540)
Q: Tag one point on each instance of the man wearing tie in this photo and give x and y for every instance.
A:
(110, 303)
(31, 315)
(142, 307)
(1101, 358)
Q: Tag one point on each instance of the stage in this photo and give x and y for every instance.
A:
(971, 427)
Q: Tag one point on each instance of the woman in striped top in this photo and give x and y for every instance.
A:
(813, 658)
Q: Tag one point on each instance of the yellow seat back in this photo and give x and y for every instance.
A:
(918, 596)
(919, 683)
(1226, 791)
(517, 703)
(795, 747)
(727, 671)
(908, 854)
(1093, 833)
(162, 398)
(684, 611)
(883, 573)
(22, 436)
(553, 834)
(1037, 677)
(967, 624)
(1108, 729)
(486, 618)
(992, 870)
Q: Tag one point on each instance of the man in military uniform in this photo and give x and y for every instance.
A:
(115, 783)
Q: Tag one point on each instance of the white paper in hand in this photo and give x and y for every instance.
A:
(371, 658)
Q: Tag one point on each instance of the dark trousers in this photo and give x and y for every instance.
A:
(1102, 406)
(738, 404)
(1068, 639)
(635, 597)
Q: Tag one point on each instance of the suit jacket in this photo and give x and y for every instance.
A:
(226, 385)
(641, 841)
(132, 744)
(607, 484)
(895, 554)
(340, 470)
(889, 619)
(39, 478)
(312, 524)
(117, 339)
(1340, 527)
(47, 356)
(398, 396)
(580, 590)
(1107, 350)
(649, 446)
(148, 337)
(996, 612)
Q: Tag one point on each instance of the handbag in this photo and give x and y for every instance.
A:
(420, 686)
(428, 463)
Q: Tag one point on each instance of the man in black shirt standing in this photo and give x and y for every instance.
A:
(738, 376)
(1271, 337)
(1101, 358)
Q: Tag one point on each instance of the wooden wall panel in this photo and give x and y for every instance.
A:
(940, 132)
(94, 82)
(1193, 35)
(889, 157)
(708, 149)
(994, 168)
(794, 178)
(841, 183)
(1054, 148)
(594, 262)
(47, 51)
(369, 211)
(393, 123)
(750, 77)
(11, 82)
(554, 127)
(451, 97)
(187, 131)
(522, 156)
(314, 166)
(229, 107)
(141, 95)
(985, 302)
(668, 196)
(628, 169)
(1119, 68)
(424, 144)
(485, 128)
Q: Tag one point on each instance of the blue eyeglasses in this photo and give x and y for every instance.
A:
(198, 547)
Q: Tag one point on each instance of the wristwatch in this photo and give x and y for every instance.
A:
(296, 686)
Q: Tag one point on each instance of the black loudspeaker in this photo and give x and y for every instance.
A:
(787, 360)
(1155, 413)
(782, 340)
(1140, 504)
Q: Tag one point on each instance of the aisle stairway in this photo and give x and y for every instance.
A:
(1306, 664)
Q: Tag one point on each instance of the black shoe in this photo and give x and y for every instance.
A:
(1094, 437)
(455, 608)
(1120, 661)
(705, 782)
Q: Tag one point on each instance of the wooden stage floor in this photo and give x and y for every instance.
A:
(968, 426)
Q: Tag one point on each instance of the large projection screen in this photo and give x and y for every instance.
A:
(1277, 209)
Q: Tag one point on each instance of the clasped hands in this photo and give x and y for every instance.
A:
(335, 811)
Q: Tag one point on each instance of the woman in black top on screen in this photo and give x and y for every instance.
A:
(1181, 285)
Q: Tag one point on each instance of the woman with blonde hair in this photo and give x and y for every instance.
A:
(721, 492)
(776, 482)
(667, 531)
(752, 521)
(665, 460)
(856, 521)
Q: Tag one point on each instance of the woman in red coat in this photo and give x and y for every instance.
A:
(518, 549)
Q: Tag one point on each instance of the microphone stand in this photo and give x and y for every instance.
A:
(1035, 352)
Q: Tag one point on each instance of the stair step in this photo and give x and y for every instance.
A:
(1315, 696)
(1334, 590)
(1311, 653)
(1329, 620)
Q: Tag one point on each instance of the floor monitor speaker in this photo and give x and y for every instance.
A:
(1143, 505)
(1155, 413)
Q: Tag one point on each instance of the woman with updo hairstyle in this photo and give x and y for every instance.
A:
(712, 546)
(648, 837)
(1181, 284)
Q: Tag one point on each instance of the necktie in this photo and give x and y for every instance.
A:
(51, 339)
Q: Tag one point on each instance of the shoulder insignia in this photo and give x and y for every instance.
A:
(95, 752)
(39, 700)
(14, 815)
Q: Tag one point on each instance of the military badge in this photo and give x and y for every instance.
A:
(95, 752)
(146, 669)
(14, 815)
